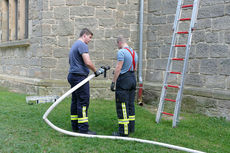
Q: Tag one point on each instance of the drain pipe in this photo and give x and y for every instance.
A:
(140, 52)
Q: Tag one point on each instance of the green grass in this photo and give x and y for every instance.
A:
(23, 130)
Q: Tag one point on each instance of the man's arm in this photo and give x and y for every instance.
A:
(88, 62)
(117, 70)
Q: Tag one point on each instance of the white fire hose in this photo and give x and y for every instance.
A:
(103, 136)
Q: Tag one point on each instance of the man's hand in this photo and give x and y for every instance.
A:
(98, 72)
(112, 87)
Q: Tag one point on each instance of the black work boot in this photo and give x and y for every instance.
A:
(74, 129)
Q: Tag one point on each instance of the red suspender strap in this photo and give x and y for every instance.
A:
(133, 55)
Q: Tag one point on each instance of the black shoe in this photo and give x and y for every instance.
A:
(89, 132)
(118, 134)
(74, 129)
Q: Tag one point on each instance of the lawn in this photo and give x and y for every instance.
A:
(23, 130)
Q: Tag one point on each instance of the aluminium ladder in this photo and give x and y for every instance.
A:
(173, 57)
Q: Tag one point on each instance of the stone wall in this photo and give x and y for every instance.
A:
(39, 65)
(54, 25)
(207, 85)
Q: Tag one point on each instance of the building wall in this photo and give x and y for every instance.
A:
(39, 65)
(207, 84)
(54, 26)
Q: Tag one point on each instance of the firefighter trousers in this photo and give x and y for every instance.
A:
(125, 95)
(79, 103)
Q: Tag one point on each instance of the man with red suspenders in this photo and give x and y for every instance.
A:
(125, 80)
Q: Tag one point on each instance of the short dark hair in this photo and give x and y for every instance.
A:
(121, 39)
(85, 31)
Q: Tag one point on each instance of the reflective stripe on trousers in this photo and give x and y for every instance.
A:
(125, 120)
(84, 118)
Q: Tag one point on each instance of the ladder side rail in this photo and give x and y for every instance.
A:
(179, 94)
(163, 91)
(178, 14)
(188, 46)
(194, 15)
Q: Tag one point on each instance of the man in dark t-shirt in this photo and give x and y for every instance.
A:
(80, 64)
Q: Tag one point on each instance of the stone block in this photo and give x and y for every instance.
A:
(65, 28)
(108, 33)
(221, 94)
(74, 2)
(82, 11)
(48, 15)
(197, 91)
(209, 66)
(194, 80)
(224, 66)
(61, 13)
(217, 11)
(194, 66)
(154, 6)
(224, 104)
(81, 23)
(111, 4)
(61, 52)
(125, 32)
(211, 2)
(156, 19)
(219, 51)
(170, 18)
(95, 2)
(212, 37)
(105, 45)
(169, 6)
(129, 19)
(215, 81)
(107, 22)
(48, 62)
(164, 51)
(153, 52)
(204, 12)
(160, 64)
(227, 37)
(47, 40)
(198, 36)
(165, 30)
(59, 74)
(221, 23)
(203, 24)
(122, 1)
(202, 50)
(63, 41)
(227, 9)
(57, 2)
(45, 51)
(34, 61)
(154, 76)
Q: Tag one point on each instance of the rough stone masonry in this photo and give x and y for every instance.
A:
(39, 65)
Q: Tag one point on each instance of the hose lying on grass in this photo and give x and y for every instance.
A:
(103, 136)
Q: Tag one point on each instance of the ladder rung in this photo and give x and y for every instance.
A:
(167, 113)
(172, 100)
(185, 19)
(180, 45)
(184, 6)
(182, 32)
(175, 72)
(178, 59)
(173, 86)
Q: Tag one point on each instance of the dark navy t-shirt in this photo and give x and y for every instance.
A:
(76, 62)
